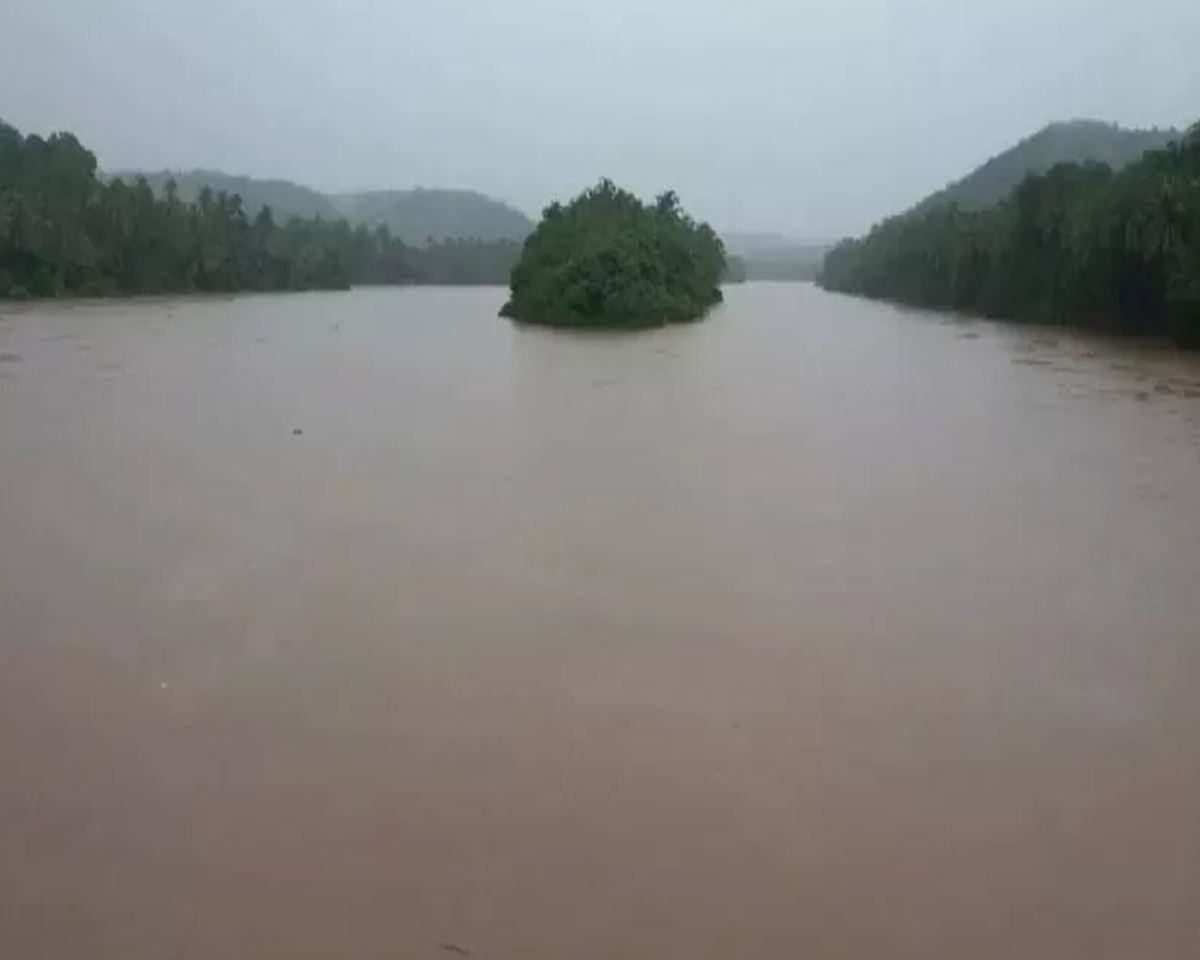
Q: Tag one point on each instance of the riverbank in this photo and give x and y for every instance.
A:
(1080, 245)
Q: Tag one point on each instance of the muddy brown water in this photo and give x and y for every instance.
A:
(371, 626)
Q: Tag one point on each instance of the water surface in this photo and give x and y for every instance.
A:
(369, 625)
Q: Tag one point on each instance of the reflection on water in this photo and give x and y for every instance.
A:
(370, 625)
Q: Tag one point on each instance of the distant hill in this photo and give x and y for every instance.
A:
(416, 215)
(285, 199)
(412, 215)
(1075, 141)
(774, 256)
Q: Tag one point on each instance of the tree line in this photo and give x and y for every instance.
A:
(64, 230)
(1081, 244)
(608, 259)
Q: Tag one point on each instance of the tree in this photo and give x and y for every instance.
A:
(607, 259)
(1078, 244)
(64, 231)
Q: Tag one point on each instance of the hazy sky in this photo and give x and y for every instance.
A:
(813, 117)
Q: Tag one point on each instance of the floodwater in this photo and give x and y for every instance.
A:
(369, 625)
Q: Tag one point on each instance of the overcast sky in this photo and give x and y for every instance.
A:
(812, 117)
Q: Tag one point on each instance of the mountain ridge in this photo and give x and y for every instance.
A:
(285, 198)
(440, 213)
(415, 215)
(1064, 141)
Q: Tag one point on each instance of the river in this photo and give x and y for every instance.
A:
(369, 625)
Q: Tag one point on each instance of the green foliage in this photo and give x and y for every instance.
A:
(285, 199)
(1079, 141)
(65, 231)
(1079, 244)
(418, 217)
(468, 262)
(607, 259)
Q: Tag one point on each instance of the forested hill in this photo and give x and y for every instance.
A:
(416, 215)
(1081, 244)
(413, 216)
(286, 199)
(65, 230)
(1076, 141)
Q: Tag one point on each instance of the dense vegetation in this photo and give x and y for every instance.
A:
(775, 256)
(607, 259)
(64, 230)
(1079, 141)
(286, 199)
(418, 217)
(1080, 244)
(465, 262)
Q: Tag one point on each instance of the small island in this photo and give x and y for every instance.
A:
(607, 259)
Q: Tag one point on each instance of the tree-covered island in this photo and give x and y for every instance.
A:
(606, 259)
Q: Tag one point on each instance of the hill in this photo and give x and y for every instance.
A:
(415, 216)
(1076, 141)
(285, 199)
(1081, 245)
(65, 231)
(774, 256)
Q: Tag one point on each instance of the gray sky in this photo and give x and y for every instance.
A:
(812, 117)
